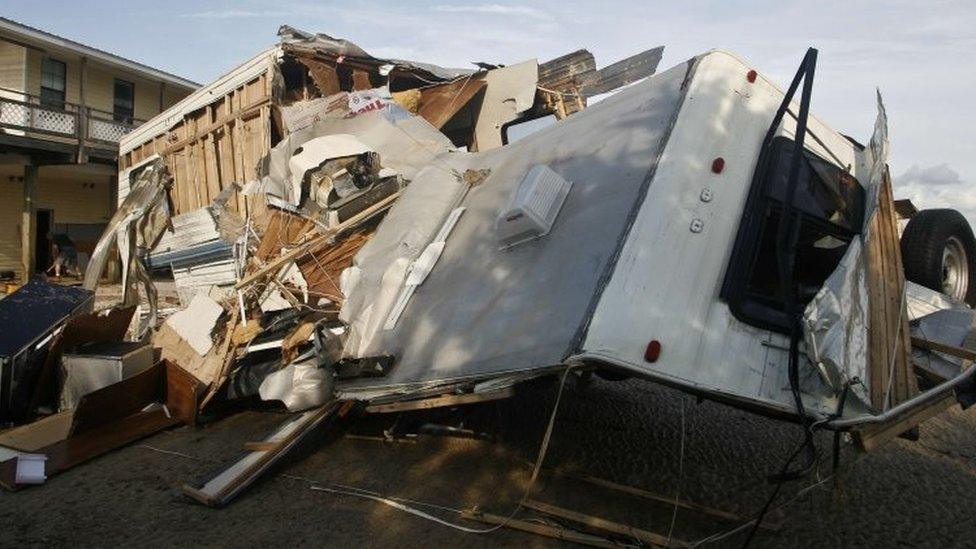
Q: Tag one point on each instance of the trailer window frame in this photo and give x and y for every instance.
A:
(758, 219)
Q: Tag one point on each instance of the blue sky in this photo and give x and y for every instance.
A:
(918, 53)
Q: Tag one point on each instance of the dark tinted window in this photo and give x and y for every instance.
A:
(124, 103)
(52, 83)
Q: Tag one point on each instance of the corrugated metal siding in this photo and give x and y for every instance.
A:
(11, 201)
(190, 229)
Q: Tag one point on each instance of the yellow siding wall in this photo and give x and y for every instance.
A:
(147, 99)
(72, 74)
(172, 96)
(100, 86)
(100, 92)
(12, 66)
(11, 202)
(74, 195)
(73, 198)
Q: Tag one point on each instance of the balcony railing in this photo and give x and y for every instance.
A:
(24, 112)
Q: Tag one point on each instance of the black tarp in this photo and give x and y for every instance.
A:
(27, 317)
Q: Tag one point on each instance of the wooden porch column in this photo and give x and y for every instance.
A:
(28, 224)
(82, 110)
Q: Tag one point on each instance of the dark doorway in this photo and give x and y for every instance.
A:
(42, 240)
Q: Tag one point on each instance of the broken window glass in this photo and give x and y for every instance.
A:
(830, 206)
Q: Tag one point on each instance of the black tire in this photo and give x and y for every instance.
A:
(939, 252)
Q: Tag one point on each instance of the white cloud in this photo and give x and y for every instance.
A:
(494, 9)
(939, 176)
(937, 186)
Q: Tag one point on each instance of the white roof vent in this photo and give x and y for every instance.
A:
(533, 208)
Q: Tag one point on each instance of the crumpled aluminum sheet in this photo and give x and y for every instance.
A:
(137, 224)
(340, 46)
(404, 142)
(835, 322)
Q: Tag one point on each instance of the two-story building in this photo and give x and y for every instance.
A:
(63, 108)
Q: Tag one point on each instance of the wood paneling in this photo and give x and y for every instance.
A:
(214, 147)
(890, 361)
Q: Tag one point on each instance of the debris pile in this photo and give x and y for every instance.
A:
(348, 234)
(259, 195)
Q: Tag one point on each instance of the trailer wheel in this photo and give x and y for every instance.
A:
(939, 252)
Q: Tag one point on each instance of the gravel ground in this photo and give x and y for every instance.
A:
(913, 494)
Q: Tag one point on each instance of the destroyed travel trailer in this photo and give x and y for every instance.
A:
(351, 235)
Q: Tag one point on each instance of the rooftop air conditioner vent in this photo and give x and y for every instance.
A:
(534, 207)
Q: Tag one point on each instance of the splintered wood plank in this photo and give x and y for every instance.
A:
(225, 485)
(212, 166)
(873, 437)
(284, 229)
(669, 500)
(604, 525)
(554, 532)
(890, 375)
(967, 354)
(322, 267)
(314, 242)
(441, 401)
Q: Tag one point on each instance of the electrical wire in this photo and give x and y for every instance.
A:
(402, 503)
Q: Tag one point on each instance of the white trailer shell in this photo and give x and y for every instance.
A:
(666, 283)
(638, 253)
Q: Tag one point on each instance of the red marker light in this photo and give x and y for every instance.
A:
(751, 76)
(718, 165)
(653, 351)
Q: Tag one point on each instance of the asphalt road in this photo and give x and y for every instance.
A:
(913, 494)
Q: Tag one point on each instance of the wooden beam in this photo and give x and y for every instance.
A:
(83, 115)
(554, 532)
(874, 437)
(684, 504)
(219, 490)
(890, 373)
(28, 221)
(253, 109)
(316, 241)
(959, 352)
(604, 525)
(440, 401)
